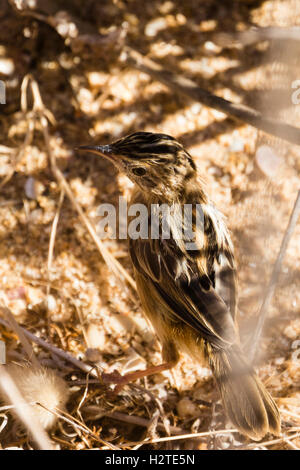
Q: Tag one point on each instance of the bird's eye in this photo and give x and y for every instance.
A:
(139, 171)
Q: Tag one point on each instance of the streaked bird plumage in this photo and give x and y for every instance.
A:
(190, 295)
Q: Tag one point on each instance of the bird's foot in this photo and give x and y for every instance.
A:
(115, 378)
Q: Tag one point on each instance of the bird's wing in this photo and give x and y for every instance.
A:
(188, 294)
(225, 281)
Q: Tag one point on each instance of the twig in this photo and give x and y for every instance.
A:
(289, 413)
(291, 444)
(212, 433)
(254, 35)
(187, 87)
(268, 443)
(11, 202)
(274, 277)
(59, 352)
(62, 292)
(5, 150)
(53, 236)
(195, 435)
(77, 425)
(137, 420)
(19, 331)
(3, 424)
(83, 398)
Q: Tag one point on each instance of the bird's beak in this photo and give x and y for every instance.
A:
(102, 150)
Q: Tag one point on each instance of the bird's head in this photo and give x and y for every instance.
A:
(157, 163)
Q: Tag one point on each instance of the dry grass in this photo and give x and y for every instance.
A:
(74, 294)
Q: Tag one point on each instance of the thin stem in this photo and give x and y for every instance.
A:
(274, 277)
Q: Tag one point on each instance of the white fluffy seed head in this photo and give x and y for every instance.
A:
(42, 386)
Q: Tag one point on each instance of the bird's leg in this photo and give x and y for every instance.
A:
(122, 380)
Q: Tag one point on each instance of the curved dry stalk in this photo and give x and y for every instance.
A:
(37, 111)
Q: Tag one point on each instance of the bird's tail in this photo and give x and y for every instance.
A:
(249, 405)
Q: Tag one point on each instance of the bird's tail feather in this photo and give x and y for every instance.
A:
(249, 405)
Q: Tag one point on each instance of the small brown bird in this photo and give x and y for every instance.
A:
(189, 295)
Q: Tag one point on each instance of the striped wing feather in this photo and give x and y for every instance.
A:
(189, 294)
